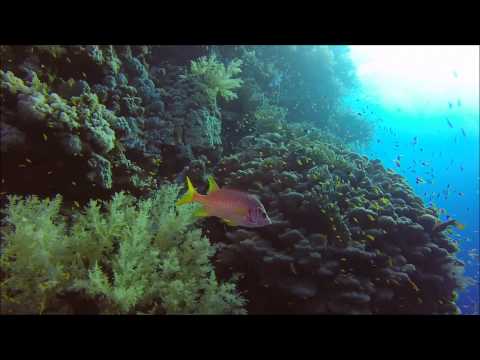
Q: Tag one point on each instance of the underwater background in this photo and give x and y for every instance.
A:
(366, 159)
(428, 113)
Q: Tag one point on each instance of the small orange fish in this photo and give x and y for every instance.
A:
(292, 268)
(236, 208)
(414, 286)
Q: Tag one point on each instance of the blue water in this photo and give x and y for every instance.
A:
(445, 160)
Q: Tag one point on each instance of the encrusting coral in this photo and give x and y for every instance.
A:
(123, 256)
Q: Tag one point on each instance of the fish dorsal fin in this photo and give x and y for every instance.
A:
(212, 185)
(189, 195)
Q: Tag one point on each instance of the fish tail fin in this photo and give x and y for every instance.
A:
(459, 225)
(189, 196)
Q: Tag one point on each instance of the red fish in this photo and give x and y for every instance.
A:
(236, 208)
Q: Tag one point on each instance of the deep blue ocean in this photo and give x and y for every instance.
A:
(436, 147)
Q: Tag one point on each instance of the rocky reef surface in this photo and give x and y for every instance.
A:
(349, 236)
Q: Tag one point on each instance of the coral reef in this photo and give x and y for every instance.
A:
(340, 243)
(306, 80)
(117, 123)
(79, 125)
(269, 117)
(109, 129)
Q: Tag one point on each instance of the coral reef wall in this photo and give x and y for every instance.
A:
(88, 122)
(348, 236)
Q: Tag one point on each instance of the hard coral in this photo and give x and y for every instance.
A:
(351, 243)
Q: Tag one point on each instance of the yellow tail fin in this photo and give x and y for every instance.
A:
(459, 225)
(188, 197)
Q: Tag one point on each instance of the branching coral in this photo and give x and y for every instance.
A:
(127, 256)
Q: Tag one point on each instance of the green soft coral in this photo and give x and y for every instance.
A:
(127, 256)
(36, 261)
(218, 79)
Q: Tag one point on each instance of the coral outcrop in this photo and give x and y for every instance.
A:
(339, 243)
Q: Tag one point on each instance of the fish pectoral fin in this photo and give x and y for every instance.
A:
(201, 213)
